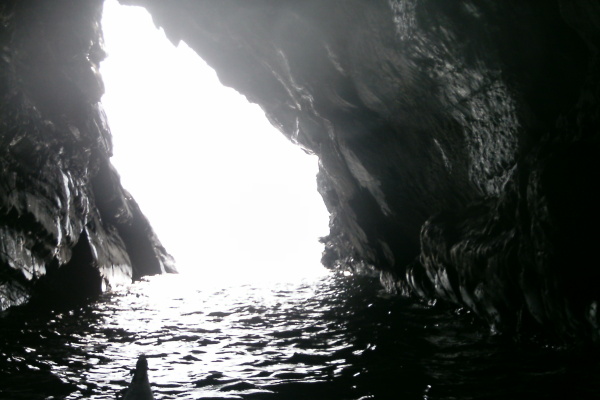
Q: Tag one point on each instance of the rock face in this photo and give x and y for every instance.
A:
(458, 142)
(67, 227)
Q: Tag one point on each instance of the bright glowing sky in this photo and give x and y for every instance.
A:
(225, 191)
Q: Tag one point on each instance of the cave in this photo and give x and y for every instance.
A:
(458, 147)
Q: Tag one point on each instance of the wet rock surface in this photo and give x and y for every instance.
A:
(67, 227)
(458, 143)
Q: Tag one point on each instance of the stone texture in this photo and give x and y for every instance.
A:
(67, 227)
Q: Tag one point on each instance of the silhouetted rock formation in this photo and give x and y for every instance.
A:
(67, 227)
(458, 140)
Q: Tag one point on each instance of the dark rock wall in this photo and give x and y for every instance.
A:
(67, 227)
(458, 139)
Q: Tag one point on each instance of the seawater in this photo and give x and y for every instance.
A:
(332, 337)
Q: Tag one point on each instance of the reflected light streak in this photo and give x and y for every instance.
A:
(228, 195)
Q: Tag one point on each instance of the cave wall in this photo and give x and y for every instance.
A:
(458, 141)
(67, 227)
(458, 144)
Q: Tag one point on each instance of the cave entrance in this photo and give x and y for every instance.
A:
(226, 192)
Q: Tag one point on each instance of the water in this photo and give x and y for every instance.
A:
(333, 337)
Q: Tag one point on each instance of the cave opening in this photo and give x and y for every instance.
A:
(182, 141)
(458, 146)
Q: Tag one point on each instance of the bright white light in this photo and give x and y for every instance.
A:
(226, 192)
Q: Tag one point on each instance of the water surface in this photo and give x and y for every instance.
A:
(332, 337)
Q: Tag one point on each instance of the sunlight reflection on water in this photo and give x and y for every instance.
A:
(203, 342)
(330, 337)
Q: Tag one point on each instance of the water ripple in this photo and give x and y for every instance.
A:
(331, 338)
